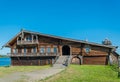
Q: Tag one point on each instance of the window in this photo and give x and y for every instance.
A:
(28, 38)
(42, 50)
(25, 50)
(55, 49)
(34, 50)
(87, 49)
(48, 50)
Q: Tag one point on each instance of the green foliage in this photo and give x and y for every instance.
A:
(114, 67)
(86, 73)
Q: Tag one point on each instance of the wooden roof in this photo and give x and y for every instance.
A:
(61, 38)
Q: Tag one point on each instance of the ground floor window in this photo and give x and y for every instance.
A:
(48, 49)
(25, 50)
(55, 49)
(34, 50)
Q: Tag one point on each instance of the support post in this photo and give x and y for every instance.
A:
(36, 38)
(32, 38)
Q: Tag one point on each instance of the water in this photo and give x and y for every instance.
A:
(5, 61)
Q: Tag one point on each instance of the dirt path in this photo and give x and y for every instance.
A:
(31, 76)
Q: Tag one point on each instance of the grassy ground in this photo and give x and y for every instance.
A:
(12, 69)
(85, 73)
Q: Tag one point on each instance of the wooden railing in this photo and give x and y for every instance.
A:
(32, 54)
(27, 42)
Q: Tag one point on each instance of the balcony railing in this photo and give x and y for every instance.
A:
(32, 54)
(27, 42)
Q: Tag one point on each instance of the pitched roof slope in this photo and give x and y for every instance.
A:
(61, 38)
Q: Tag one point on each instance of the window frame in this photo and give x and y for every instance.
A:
(47, 49)
(54, 49)
(42, 47)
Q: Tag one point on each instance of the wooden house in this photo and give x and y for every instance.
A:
(33, 48)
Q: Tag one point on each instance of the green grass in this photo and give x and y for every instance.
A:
(85, 73)
(12, 69)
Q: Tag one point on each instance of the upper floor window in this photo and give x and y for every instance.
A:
(42, 50)
(48, 50)
(25, 50)
(55, 49)
(87, 49)
(34, 50)
(28, 38)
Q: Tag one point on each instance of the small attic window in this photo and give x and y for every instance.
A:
(19, 38)
(87, 49)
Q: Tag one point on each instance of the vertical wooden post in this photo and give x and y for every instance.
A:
(70, 50)
(36, 38)
(45, 50)
(58, 49)
(61, 50)
(21, 39)
(32, 38)
(81, 53)
(38, 49)
(11, 50)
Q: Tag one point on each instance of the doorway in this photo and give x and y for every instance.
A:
(65, 50)
(76, 60)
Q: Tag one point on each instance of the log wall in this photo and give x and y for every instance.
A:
(26, 61)
(94, 60)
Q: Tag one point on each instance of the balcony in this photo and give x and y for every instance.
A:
(27, 42)
(31, 54)
(27, 39)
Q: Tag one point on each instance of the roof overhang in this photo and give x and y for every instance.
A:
(61, 38)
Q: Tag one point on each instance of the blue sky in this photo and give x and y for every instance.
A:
(93, 20)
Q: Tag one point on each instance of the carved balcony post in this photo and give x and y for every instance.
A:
(36, 38)
(32, 38)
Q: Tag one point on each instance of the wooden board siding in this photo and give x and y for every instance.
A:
(47, 40)
(15, 61)
(94, 60)
(95, 51)
(76, 51)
